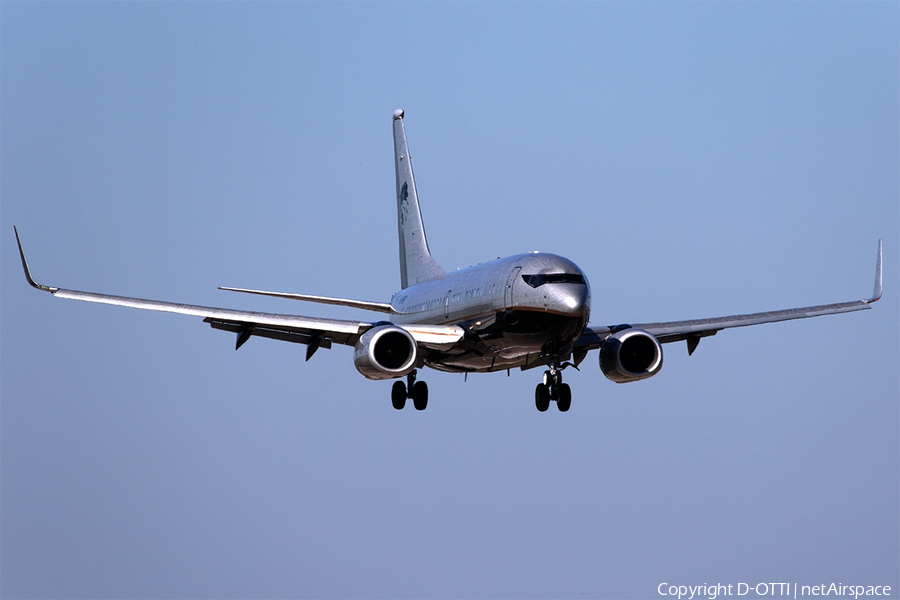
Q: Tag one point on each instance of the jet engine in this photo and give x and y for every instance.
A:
(630, 355)
(385, 352)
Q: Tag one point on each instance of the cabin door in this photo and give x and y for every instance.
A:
(447, 303)
(510, 286)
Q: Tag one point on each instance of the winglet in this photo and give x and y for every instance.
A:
(28, 276)
(876, 293)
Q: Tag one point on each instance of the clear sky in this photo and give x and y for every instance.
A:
(695, 159)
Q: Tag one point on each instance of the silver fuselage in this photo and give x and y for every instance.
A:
(509, 322)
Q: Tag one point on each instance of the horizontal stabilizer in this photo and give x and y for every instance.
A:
(363, 304)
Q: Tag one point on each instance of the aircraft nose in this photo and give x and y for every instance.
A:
(570, 300)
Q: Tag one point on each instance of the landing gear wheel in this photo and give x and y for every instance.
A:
(542, 397)
(420, 395)
(552, 378)
(398, 395)
(565, 397)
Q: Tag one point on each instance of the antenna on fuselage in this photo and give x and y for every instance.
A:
(416, 263)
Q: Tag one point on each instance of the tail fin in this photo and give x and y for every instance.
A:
(416, 264)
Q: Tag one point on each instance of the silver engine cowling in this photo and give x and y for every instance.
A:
(630, 355)
(385, 352)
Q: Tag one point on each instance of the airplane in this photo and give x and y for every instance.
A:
(524, 311)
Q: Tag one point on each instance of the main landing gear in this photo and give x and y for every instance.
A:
(417, 391)
(552, 388)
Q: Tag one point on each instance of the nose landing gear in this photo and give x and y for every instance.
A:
(417, 391)
(552, 388)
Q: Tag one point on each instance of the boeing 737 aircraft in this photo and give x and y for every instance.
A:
(525, 311)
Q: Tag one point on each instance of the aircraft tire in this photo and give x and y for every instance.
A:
(420, 395)
(398, 395)
(565, 397)
(542, 397)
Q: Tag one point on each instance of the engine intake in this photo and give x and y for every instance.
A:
(385, 352)
(630, 355)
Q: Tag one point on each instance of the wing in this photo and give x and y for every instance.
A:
(693, 330)
(314, 332)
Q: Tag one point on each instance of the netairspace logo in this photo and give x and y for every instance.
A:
(794, 590)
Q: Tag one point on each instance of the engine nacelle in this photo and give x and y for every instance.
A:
(385, 352)
(630, 355)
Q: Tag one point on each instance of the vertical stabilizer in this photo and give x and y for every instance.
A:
(416, 264)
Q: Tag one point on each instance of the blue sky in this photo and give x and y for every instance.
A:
(695, 159)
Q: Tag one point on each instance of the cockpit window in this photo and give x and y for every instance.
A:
(539, 280)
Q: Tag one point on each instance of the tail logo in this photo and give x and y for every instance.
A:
(404, 203)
